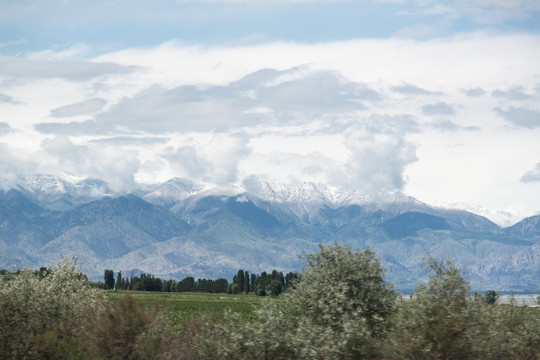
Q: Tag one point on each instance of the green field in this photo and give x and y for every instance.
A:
(188, 307)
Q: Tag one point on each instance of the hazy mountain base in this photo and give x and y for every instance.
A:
(212, 233)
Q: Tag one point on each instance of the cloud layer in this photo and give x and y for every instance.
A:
(436, 119)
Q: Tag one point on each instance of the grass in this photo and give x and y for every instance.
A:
(195, 307)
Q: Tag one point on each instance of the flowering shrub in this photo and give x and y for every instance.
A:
(40, 313)
(339, 309)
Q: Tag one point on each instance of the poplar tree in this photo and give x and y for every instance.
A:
(246, 282)
(108, 278)
(119, 281)
(240, 280)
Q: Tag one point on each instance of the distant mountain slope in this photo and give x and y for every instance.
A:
(18, 203)
(180, 228)
(410, 222)
(156, 221)
(528, 228)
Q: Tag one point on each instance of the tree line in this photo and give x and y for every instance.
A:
(147, 282)
(272, 283)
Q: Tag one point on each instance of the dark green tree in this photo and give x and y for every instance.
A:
(246, 282)
(491, 297)
(108, 279)
(240, 280)
(252, 283)
(274, 287)
(119, 281)
(233, 288)
(186, 285)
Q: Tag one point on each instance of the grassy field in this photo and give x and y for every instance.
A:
(189, 307)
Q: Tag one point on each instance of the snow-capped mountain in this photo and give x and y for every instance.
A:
(172, 191)
(181, 228)
(306, 193)
(57, 193)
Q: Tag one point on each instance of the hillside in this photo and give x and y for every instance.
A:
(180, 228)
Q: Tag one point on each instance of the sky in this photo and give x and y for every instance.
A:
(439, 100)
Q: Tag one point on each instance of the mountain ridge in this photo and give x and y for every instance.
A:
(182, 228)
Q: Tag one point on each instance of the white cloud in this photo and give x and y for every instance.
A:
(515, 93)
(438, 9)
(12, 42)
(366, 114)
(7, 99)
(419, 31)
(112, 164)
(75, 52)
(410, 89)
(377, 162)
(290, 167)
(532, 175)
(446, 125)
(497, 11)
(81, 108)
(439, 108)
(13, 163)
(475, 92)
(287, 97)
(522, 117)
(480, 11)
(216, 162)
(5, 128)
(81, 128)
(69, 70)
(130, 140)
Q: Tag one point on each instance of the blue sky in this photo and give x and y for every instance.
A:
(437, 100)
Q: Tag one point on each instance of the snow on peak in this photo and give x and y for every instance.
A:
(172, 191)
(59, 193)
(35, 183)
(307, 192)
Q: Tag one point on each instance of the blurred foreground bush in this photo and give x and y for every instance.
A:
(340, 308)
(42, 312)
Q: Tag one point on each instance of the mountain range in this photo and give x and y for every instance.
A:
(181, 228)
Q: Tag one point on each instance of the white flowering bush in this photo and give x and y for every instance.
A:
(339, 309)
(40, 312)
(444, 322)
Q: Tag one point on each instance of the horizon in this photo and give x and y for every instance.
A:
(435, 100)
